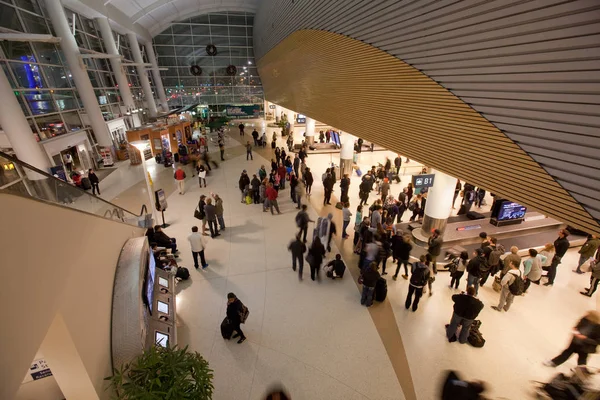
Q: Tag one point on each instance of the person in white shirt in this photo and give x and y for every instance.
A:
(506, 296)
(346, 217)
(198, 245)
(68, 162)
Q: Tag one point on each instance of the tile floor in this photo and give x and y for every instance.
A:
(314, 338)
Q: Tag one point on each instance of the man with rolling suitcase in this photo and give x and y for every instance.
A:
(237, 313)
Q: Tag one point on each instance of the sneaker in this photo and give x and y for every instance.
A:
(241, 340)
(497, 308)
(204, 266)
(549, 363)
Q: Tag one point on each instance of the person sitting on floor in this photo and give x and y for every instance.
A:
(335, 268)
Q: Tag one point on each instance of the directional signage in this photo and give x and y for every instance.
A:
(423, 181)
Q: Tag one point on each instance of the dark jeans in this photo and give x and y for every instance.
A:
(202, 260)
(249, 154)
(308, 188)
(552, 270)
(212, 225)
(402, 262)
(314, 271)
(221, 221)
(418, 292)
(593, 285)
(327, 198)
(238, 329)
(173, 245)
(528, 283)
(222, 154)
(303, 232)
(573, 348)
(456, 279)
(453, 328)
(383, 263)
(346, 223)
(95, 188)
(300, 264)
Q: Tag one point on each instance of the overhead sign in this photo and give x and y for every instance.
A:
(301, 119)
(272, 106)
(243, 111)
(423, 181)
(468, 228)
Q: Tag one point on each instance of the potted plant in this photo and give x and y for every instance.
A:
(163, 373)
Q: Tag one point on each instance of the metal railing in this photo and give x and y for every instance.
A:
(21, 179)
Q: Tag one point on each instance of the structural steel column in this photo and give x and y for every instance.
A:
(157, 78)
(137, 57)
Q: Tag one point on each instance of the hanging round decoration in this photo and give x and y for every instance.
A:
(231, 70)
(195, 70)
(211, 50)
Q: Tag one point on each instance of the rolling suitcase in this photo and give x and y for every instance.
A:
(226, 329)
(85, 183)
(381, 289)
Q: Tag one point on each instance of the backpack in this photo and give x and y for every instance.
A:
(453, 266)
(418, 277)
(244, 312)
(484, 266)
(412, 205)
(518, 286)
(475, 337)
(495, 255)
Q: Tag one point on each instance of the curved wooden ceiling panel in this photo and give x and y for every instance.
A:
(363, 90)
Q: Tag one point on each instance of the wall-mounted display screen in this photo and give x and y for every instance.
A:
(161, 339)
(163, 282)
(162, 307)
(510, 211)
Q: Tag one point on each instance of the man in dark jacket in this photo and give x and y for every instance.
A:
(466, 309)
(435, 243)
(561, 245)
(586, 337)
(398, 163)
(418, 279)
(364, 189)
(328, 186)
(255, 183)
(369, 277)
(344, 186)
(401, 248)
(338, 267)
(302, 220)
(211, 216)
(475, 268)
(586, 251)
(244, 180)
(298, 248)
(94, 181)
(161, 239)
(234, 309)
(296, 164)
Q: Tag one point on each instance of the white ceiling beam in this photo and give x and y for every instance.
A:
(146, 10)
(100, 55)
(29, 37)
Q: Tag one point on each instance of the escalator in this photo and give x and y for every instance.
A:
(24, 180)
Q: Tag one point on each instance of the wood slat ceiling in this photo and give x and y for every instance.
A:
(363, 90)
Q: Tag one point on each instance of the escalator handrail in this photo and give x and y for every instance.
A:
(47, 175)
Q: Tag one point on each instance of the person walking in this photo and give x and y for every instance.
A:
(595, 276)
(435, 243)
(586, 251)
(385, 189)
(458, 267)
(297, 248)
(561, 245)
(532, 268)
(308, 180)
(235, 309)
(300, 193)
(211, 217)
(475, 269)
(271, 200)
(221, 143)
(369, 279)
(68, 159)
(264, 139)
(506, 293)
(315, 257)
(586, 337)
(346, 218)
(249, 151)
(179, 176)
(401, 248)
(418, 279)
(201, 175)
(466, 308)
(94, 181)
(255, 137)
(220, 210)
(198, 245)
(241, 126)
(302, 220)
(398, 164)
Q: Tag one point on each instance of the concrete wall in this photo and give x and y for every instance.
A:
(56, 261)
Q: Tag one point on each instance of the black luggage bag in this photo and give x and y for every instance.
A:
(226, 329)
(85, 183)
(381, 289)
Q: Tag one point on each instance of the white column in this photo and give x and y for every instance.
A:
(157, 78)
(18, 131)
(138, 59)
(117, 67)
(277, 113)
(78, 71)
(346, 154)
(439, 203)
(310, 130)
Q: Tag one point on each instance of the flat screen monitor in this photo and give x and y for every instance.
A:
(163, 282)
(161, 339)
(162, 307)
(149, 282)
(511, 211)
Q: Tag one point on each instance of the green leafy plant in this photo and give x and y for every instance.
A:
(162, 373)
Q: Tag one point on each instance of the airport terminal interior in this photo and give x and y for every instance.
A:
(157, 156)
